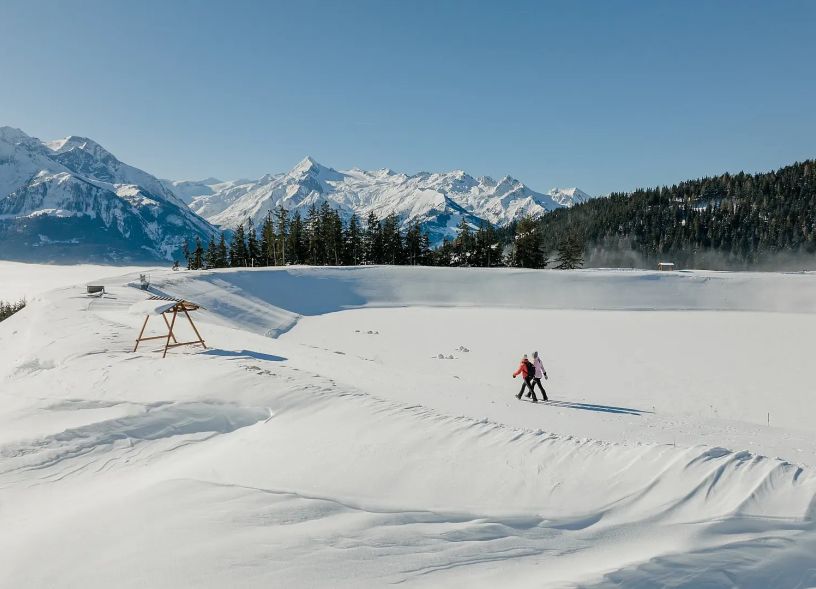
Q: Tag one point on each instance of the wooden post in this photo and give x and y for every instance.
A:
(198, 335)
(168, 327)
(170, 333)
(138, 339)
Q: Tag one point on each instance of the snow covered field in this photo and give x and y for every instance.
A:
(322, 441)
(18, 280)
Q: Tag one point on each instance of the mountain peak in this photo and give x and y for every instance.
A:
(309, 170)
(13, 135)
(305, 165)
(77, 142)
(568, 196)
(75, 187)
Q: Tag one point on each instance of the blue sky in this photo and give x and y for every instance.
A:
(602, 95)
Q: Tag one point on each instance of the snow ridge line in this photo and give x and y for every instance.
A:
(714, 467)
(425, 412)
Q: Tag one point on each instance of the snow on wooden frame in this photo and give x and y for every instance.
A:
(166, 306)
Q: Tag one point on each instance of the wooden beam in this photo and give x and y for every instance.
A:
(164, 316)
(138, 339)
(144, 339)
(198, 335)
(170, 333)
(184, 344)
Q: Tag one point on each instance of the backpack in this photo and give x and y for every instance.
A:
(530, 369)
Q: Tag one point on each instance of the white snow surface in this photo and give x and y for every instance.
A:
(150, 307)
(29, 281)
(321, 442)
(438, 200)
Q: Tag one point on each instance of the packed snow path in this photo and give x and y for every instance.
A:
(344, 452)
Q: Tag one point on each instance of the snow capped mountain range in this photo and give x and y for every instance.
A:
(437, 200)
(72, 200)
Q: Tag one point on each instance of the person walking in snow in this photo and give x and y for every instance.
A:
(527, 372)
(538, 375)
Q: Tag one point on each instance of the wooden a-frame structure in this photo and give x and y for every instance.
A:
(174, 308)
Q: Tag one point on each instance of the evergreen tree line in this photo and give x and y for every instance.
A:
(9, 309)
(323, 238)
(738, 220)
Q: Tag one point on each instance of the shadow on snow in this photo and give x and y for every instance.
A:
(599, 408)
(243, 354)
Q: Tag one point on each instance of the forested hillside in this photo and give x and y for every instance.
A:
(728, 221)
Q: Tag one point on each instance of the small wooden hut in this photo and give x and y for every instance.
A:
(169, 308)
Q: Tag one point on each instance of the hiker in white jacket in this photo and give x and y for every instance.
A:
(539, 374)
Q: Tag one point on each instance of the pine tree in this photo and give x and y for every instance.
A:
(185, 251)
(198, 255)
(222, 261)
(413, 244)
(527, 250)
(391, 240)
(570, 253)
(353, 242)
(425, 252)
(313, 243)
(464, 244)
(487, 246)
(211, 257)
(330, 235)
(445, 255)
(238, 248)
(296, 244)
(282, 221)
(336, 238)
(268, 241)
(372, 240)
(253, 248)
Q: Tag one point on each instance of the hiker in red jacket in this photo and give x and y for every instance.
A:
(527, 372)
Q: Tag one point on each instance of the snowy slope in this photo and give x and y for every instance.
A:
(345, 453)
(186, 190)
(567, 197)
(73, 200)
(437, 200)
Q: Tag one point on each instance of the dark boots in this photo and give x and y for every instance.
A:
(541, 388)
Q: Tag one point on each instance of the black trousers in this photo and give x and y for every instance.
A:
(541, 388)
(528, 382)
